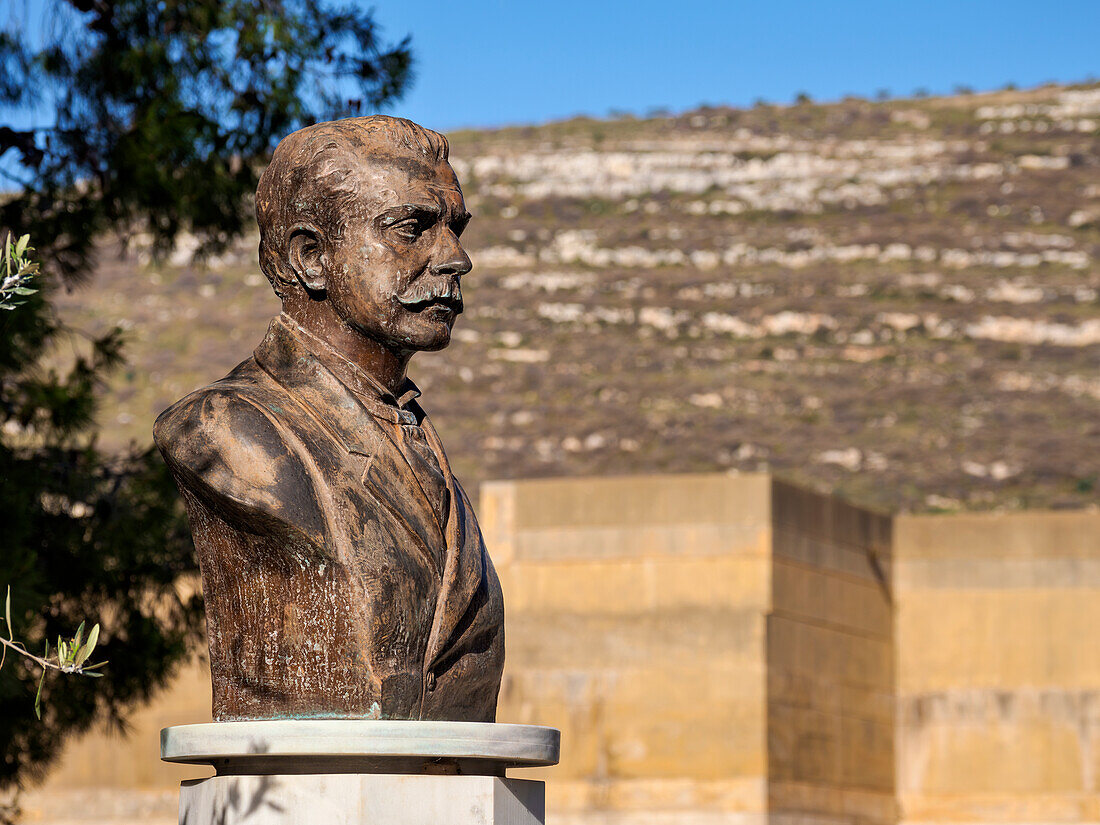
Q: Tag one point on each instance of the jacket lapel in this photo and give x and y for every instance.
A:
(463, 569)
(386, 472)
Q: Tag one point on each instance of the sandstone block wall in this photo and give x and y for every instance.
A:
(830, 658)
(714, 647)
(998, 628)
(636, 624)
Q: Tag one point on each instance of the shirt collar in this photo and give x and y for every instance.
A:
(378, 400)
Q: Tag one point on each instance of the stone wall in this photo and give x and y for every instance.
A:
(636, 623)
(830, 662)
(713, 647)
(998, 628)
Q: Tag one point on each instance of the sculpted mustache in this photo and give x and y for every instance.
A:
(421, 293)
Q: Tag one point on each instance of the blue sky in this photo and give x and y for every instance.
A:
(499, 62)
(494, 62)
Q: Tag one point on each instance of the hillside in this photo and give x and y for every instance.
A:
(898, 302)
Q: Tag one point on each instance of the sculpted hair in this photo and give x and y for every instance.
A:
(311, 179)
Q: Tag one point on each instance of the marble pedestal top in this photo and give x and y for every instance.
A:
(331, 746)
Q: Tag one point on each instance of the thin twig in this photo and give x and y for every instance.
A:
(18, 648)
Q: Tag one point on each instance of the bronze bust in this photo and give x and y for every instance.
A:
(344, 571)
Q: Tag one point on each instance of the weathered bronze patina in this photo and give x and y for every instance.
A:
(343, 568)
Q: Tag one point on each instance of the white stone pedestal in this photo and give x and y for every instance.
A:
(361, 772)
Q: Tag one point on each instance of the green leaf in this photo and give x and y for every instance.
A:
(83, 653)
(78, 635)
(38, 696)
(7, 620)
(24, 290)
(92, 673)
(21, 245)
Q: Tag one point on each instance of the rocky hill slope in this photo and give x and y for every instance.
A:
(894, 301)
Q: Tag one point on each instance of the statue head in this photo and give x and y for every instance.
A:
(366, 213)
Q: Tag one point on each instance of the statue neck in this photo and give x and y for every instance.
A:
(386, 366)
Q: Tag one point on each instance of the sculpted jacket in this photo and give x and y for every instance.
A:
(331, 589)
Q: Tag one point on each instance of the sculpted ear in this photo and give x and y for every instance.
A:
(306, 256)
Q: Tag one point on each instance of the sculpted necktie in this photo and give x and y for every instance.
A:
(425, 465)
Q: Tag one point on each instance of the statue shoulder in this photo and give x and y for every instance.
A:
(228, 445)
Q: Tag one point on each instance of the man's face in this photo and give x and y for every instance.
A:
(394, 276)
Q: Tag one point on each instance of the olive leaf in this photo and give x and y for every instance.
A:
(69, 655)
(84, 652)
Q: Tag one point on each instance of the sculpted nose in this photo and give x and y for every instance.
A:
(452, 258)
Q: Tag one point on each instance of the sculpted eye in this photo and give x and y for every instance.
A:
(409, 229)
